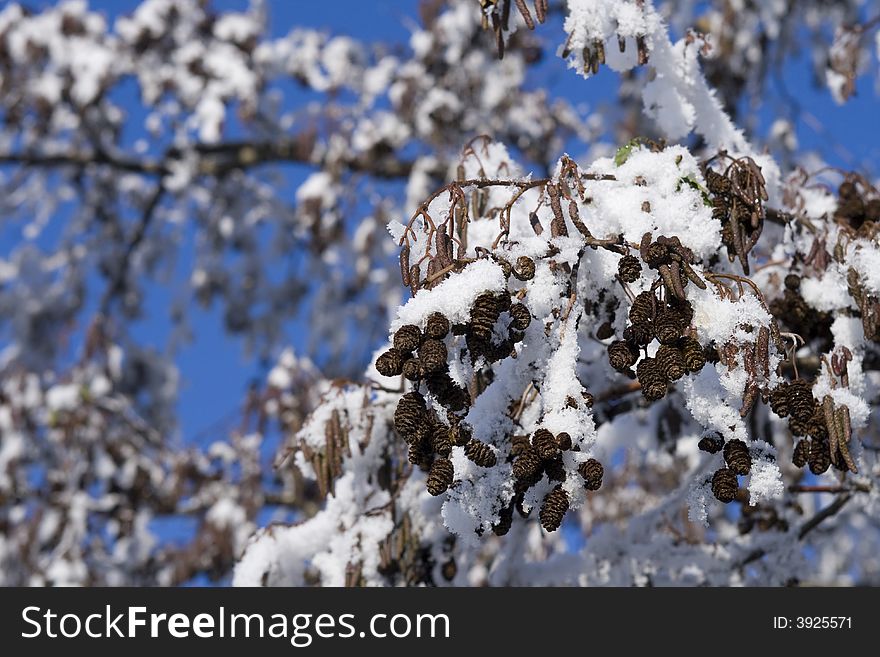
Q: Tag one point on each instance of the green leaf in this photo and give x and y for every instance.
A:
(624, 151)
(692, 182)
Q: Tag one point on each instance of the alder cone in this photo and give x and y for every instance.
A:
(521, 316)
(801, 453)
(553, 509)
(621, 356)
(820, 456)
(693, 353)
(563, 441)
(480, 453)
(629, 268)
(432, 355)
(519, 445)
(737, 457)
(801, 403)
(440, 440)
(484, 314)
(671, 362)
(524, 269)
(724, 485)
(592, 471)
(654, 384)
(505, 521)
(779, 400)
(437, 326)
(668, 326)
(711, 444)
(390, 363)
(545, 444)
(419, 454)
(440, 476)
(407, 338)
(527, 464)
(412, 369)
(410, 415)
(642, 309)
(448, 392)
(555, 468)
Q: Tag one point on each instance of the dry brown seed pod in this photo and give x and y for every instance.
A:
(555, 468)
(505, 521)
(407, 337)
(410, 416)
(668, 326)
(524, 269)
(419, 454)
(654, 384)
(694, 355)
(711, 443)
(553, 509)
(432, 354)
(563, 441)
(779, 400)
(412, 369)
(604, 331)
(801, 453)
(643, 308)
(390, 363)
(671, 362)
(480, 453)
(820, 456)
(484, 314)
(639, 334)
(592, 472)
(737, 457)
(621, 355)
(629, 268)
(441, 441)
(521, 316)
(801, 403)
(527, 464)
(461, 434)
(724, 485)
(545, 445)
(519, 445)
(440, 476)
(437, 326)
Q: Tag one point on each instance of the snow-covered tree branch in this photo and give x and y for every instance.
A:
(546, 343)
